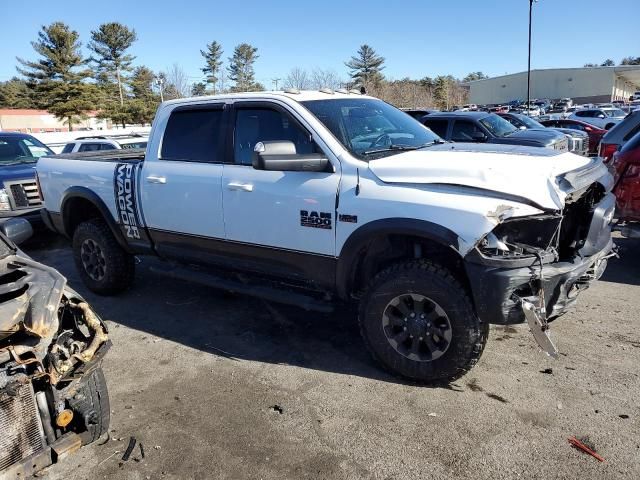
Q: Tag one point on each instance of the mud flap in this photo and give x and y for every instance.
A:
(539, 328)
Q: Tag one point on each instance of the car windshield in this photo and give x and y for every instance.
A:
(614, 112)
(529, 122)
(371, 128)
(497, 125)
(18, 149)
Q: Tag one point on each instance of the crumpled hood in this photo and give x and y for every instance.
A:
(526, 172)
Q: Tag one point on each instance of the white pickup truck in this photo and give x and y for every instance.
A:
(323, 198)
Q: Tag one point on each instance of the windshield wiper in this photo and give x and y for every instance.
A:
(399, 147)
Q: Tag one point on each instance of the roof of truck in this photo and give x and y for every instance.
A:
(300, 96)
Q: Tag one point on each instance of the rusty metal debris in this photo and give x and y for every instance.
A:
(583, 447)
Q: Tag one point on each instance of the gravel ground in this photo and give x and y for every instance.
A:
(219, 386)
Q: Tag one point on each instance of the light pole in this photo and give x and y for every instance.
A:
(275, 82)
(529, 59)
(159, 82)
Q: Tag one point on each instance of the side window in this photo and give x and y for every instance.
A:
(258, 124)
(89, 147)
(581, 113)
(68, 148)
(573, 126)
(193, 135)
(439, 127)
(107, 146)
(463, 131)
(632, 132)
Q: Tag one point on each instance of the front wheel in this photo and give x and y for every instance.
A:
(103, 265)
(418, 322)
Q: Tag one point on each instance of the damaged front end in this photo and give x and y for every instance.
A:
(51, 346)
(533, 268)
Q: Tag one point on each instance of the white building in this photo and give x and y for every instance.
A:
(583, 85)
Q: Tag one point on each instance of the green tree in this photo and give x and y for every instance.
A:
(15, 93)
(109, 45)
(608, 63)
(213, 64)
(241, 68)
(144, 102)
(366, 67)
(58, 78)
(198, 89)
(474, 76)
(630, 61)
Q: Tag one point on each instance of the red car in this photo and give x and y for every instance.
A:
(595, 133)
(626, 165)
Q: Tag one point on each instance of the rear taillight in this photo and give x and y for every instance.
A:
(607, 150)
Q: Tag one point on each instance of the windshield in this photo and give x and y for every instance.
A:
(529, 122)
(498, 126)
(371, 128)
(614, 112)
(17, 149)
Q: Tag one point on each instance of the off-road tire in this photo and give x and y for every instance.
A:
(469, 333)
(93, 396)
(120, 266)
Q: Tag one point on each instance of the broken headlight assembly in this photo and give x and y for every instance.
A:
(522, 237)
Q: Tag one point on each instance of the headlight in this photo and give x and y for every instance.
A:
(522, 236)
(4, 200)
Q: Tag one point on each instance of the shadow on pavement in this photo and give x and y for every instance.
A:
(224, 324)
(625, 269)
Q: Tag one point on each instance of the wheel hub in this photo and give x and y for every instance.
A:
(93, 259)
(417, 327)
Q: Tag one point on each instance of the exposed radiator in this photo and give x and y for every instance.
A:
(21, 433)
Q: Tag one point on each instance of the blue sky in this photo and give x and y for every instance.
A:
(417, 37)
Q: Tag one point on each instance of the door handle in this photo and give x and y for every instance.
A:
(156, 179)
(245, 187)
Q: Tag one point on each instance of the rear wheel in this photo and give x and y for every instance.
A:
(418, 322)
(103, 265)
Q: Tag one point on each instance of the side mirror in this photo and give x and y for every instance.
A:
(478, 137)
(601, 116)
(522, 127)
(281, 155)
(18, 230)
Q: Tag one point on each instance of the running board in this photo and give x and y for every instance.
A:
(266, 293)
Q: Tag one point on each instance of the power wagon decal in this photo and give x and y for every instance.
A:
(124, 185)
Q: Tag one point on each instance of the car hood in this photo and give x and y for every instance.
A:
(533, 134)
(537, 176)
(17, 172)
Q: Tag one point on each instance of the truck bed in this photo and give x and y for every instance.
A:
(118, 156)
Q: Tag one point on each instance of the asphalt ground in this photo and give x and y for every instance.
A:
(229, 387)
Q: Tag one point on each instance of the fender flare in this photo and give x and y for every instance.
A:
(362, 236)
(86, 194)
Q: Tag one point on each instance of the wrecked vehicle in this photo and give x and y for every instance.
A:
(53, 396)
(320, 198)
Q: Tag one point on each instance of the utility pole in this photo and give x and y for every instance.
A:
(275, 82)
(529, 59)
(160, 82)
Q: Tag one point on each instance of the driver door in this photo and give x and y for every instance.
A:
(273, 213)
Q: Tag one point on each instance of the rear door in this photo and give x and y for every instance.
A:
(181, 185)
(284, 218)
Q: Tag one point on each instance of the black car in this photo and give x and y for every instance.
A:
(484, 127)
(419, 113)
(578, 141)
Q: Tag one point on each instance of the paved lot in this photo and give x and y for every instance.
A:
(219, 386)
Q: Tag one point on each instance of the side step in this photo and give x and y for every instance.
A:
(266, 293)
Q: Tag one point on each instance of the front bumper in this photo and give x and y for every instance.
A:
(32, 215)
(497, 291)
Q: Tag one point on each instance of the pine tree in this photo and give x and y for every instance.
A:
(241, 68)
(366, 67)
(58, 77)
(213, 64)
(198, 89)
(145, 101)
(15, 93)
(110, 44)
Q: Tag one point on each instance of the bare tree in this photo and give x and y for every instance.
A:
(177, 82)
(297, 78)
(325, 79)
